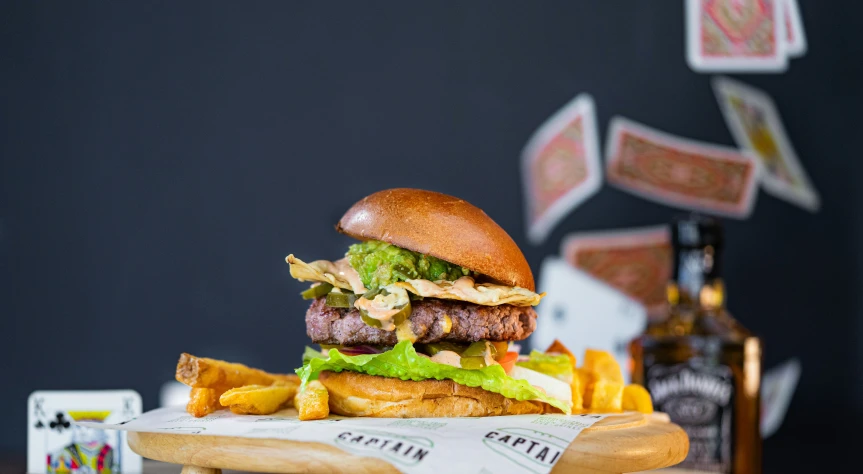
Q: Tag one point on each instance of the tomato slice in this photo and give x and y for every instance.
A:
(508, 361)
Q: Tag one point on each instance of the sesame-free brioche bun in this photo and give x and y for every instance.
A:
(356, 394)
(442, 226)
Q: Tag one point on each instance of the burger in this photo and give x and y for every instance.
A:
(420, 316)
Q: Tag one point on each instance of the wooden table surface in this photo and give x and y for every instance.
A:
(627, 443)
(159, 467)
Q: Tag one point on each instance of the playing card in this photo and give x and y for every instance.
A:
(55, 443)
(755, 124)
(736, 35)
(584, 312)
(561, 166)
(777, 387)
(794, 33)
(635, 261)
(680, 172)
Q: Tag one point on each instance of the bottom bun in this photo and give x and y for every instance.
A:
(355, 394)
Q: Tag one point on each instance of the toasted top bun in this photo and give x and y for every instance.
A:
(442, 226)
(355, 394)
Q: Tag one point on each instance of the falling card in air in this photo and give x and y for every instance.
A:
(680, 172)
(736, 35)
(755, 124)
(777, 387)
(795, 34)
(635, 261)
(584, 312)
(561, 166)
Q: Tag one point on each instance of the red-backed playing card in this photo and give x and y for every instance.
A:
(794, 33)
(635, 261)
(561, 166)
(736, 35)
(680, 172)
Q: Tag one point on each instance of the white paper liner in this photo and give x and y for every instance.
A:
(512, 444)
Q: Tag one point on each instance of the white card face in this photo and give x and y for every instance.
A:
(756, 126)
(794, 32)
(173, 394)
(584, 312)
(736, 35)
(56, 443)
(777, 387)
(561, 166)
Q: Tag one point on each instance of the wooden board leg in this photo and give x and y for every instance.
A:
(200, 470)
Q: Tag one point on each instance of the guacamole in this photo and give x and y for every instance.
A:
(380, 264)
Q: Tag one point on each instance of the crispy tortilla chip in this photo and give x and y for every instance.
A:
(603, 365)
(488, 294)
(577, 393)
(316, 271)
(607, 396)
(636, 398)
(585, 381)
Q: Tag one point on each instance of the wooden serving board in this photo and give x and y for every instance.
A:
(626, 443)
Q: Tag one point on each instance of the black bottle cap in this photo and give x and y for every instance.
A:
(695, 231)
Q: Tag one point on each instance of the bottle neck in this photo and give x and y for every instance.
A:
(696, 281)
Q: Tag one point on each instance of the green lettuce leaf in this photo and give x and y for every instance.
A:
(555, 365)
(310, 354)
(404, 363)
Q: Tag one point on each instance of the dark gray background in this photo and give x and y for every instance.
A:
(159, 160)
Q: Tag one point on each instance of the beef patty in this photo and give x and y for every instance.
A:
(470, 323)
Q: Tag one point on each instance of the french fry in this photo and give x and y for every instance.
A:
(288, 380)
(258, 399)
(200, 372)
(203, 401)
(607, 396)
(559, 348)
(210, 378)
(313, 403)
(603, 365)
(636, 398)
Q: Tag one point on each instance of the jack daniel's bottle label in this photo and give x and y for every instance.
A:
(699, 398)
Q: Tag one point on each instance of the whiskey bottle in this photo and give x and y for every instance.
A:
(699, 364)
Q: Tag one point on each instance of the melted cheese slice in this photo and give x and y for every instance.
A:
(341, 275)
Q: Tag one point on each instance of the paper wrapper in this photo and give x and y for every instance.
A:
(512, 444)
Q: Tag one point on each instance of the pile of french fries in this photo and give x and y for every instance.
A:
(217, 385)
(597, 386)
